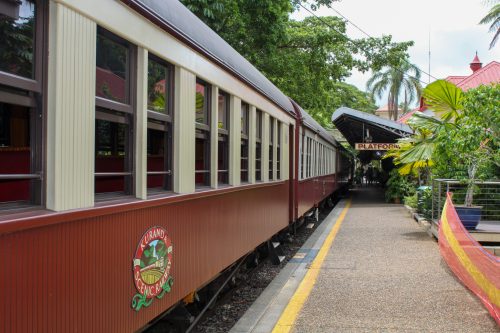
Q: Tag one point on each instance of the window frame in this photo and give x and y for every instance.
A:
(202, 131)
(30, 93)
(271, 148)
(155, 118)
(106, 108)
(244, 151)
(32, 84)
(258, 144)
(223, 136)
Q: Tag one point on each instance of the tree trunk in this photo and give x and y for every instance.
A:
(389, 105)
(405, 105)
(396, 100)
(470, 185)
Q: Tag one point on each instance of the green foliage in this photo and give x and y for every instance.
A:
(415, 152)
(398, 187)
(307, 60)
(444, 98)
(411, 200)
(471, 149)
(493, 18)
(16, 41)
(403, 79)
(424, 204)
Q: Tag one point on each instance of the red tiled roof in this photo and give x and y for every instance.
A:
(486, 75)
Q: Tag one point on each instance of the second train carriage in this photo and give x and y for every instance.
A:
(140, 157)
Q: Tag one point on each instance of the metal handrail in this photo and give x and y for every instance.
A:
(20, 176)
(112, 174)
(150, 173)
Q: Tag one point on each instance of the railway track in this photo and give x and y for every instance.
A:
(241, 286)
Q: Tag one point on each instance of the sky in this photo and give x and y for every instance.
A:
(452, 25)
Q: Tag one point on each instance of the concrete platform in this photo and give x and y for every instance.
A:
(383, 273)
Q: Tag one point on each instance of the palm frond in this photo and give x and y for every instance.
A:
(444, 98)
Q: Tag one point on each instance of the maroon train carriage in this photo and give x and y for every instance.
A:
(140, 157)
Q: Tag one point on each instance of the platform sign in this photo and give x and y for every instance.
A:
(377, 146)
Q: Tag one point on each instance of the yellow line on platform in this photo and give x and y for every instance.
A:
(288, 317)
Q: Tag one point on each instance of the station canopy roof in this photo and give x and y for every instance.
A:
(356, 125)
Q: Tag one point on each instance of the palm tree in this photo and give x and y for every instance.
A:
(415, 153)
(401, 80)
(493, 17)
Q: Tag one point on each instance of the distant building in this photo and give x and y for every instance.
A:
(383, 112)
(480, 75)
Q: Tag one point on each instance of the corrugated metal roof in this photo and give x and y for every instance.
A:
(486, 75)
(176, 17)
(455, 79)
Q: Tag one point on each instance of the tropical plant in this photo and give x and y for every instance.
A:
(493, 17)
(415, 154)
(398, 187)
(463, 144)
(402, 79)
(411, 200)
(473, 145)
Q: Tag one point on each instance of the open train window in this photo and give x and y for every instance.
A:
(114, 124)
(202, 154)
(245, 116)
(302, 165)
(223, 139)
(308, 154)
(258, 147)
(278, 155)
(271, 144)
(21, 101)
(159, 128)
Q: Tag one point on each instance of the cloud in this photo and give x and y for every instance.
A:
(452, 25)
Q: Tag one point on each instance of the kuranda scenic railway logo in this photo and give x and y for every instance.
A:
(151, 266)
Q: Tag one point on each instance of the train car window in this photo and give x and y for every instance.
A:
(159, 132)
(302, 166)
(21, 107)
(278, 156)
(271, 144)
(17, 39)
(202, 148)
(245, 114)
(114, 115)
(202, 103)
(258, 147)
(223, 139)
(112, 67)
(309, 157)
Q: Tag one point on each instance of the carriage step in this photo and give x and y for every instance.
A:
(276, 254)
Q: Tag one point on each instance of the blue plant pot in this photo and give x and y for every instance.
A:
(469, 216)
